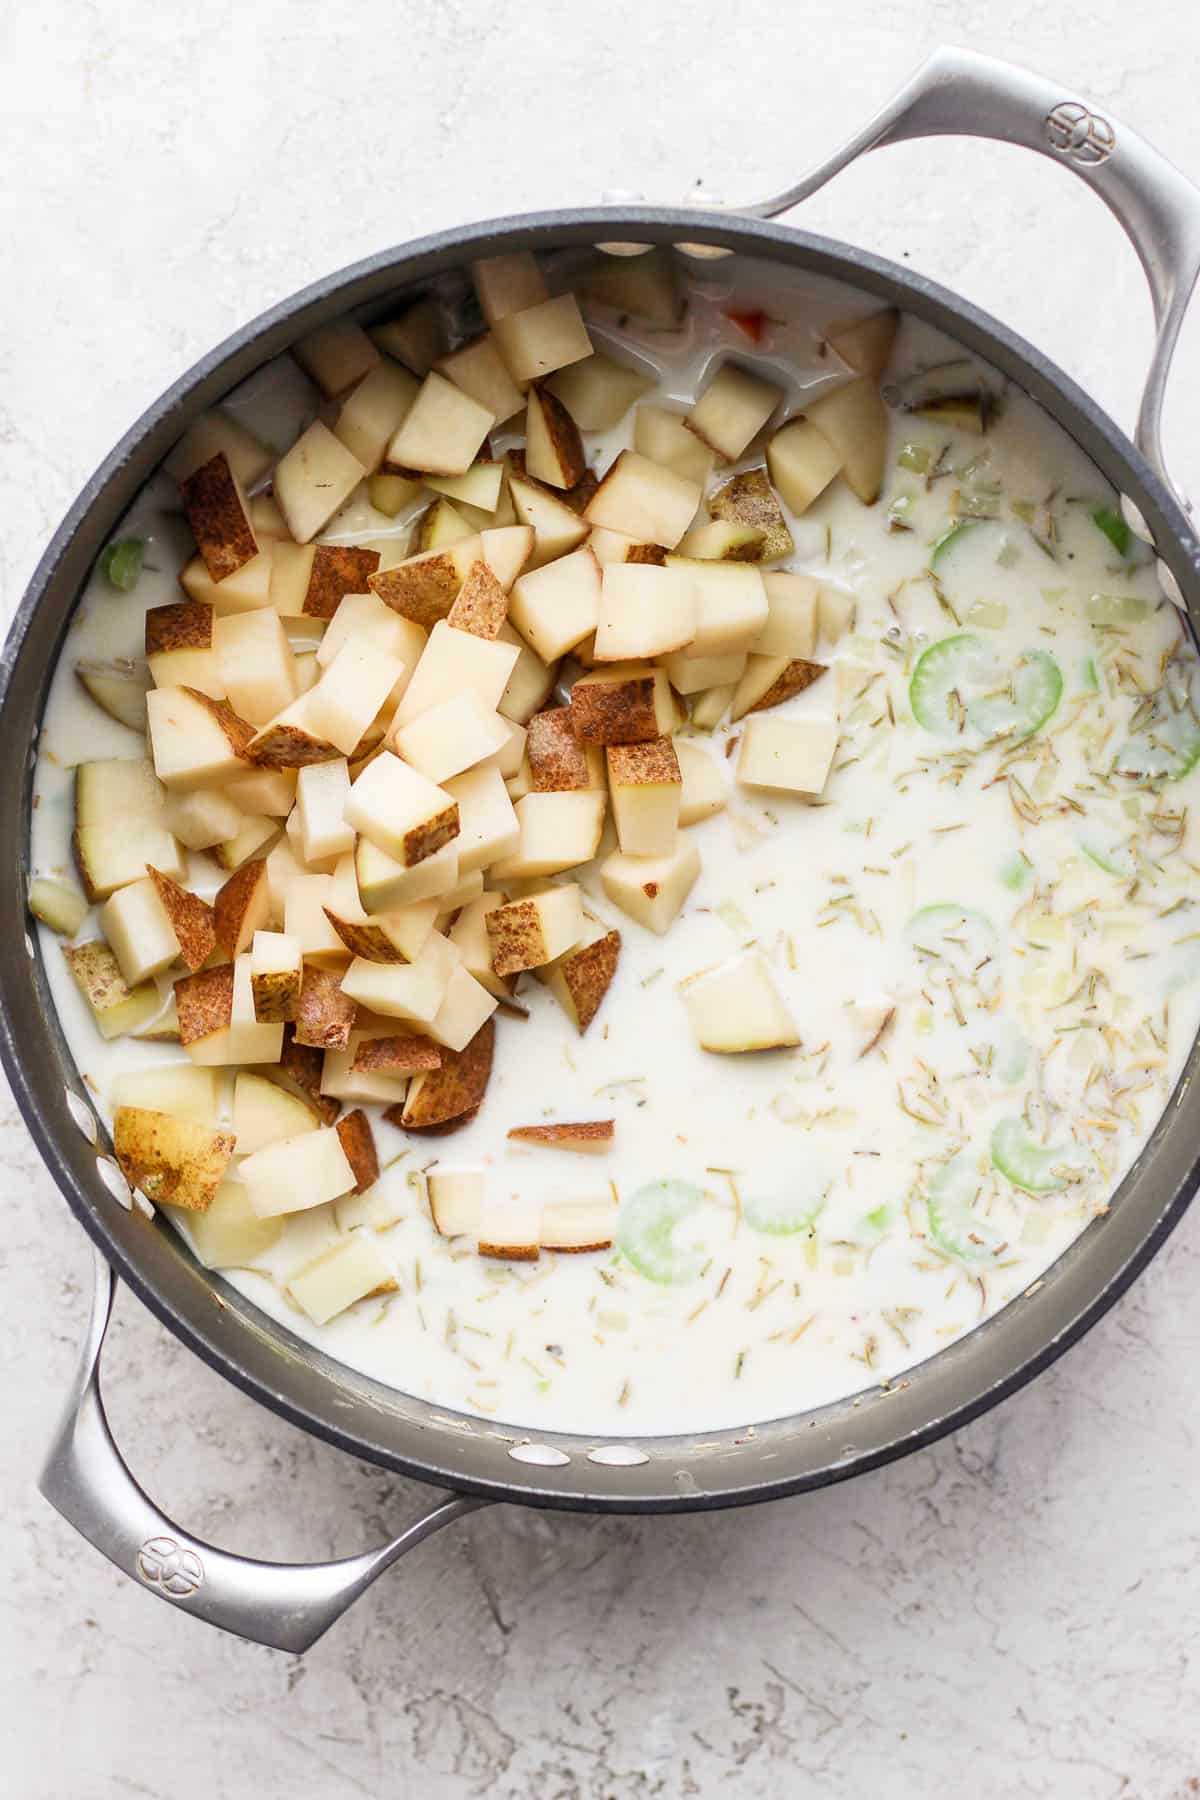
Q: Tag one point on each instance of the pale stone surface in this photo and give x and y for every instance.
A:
(1010, 1613)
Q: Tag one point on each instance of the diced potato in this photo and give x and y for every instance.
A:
(351, 1270)
(266, 518)
(645, 785)
(276, 969)
(508, 284)
(218, 515)
(854, 419)
(585, 1137)
(792, 754)
(219, 432)
(242, 907)
(644, 611)
(525, 934)
(723, 541)
(440, 526)
(466, 1006)
(390, 494)
(335, 571)
(196, 741)
(489, 830)
(476, 491)
(342, 1081)
(835, 614)
(371, 416)
(582, 976)
(536, 340)
(598, 391)
(204, 1003)
(556, 607)
(115, 1008)
(458, 662)
(230, 1235)
(416, 337)
(648, 286)
(442, 431)
(651, 889)
(711, 706)
(170, 1159)
(386, 885)
(296, 1173)
(553, 446)
(790, 628)
(139, 931)
(452, 736)
(703, 783)
(400, 811)
(558, 831)
(737, 1007)
(253, 836)
(866, 345)
(202, 818)
(770, 680)
(263, 792)
(802, 462)
(179, 647)
(557, 528)
(315, 477)
(170, 1088)
(336, 355)
(469, 937)
(456, 1199)
(242, 1039)
(690, 674)
(481, 604)
(558, 762)
(248, 588)
(626, 704)
(305, 919)
(264, 1113)
(325, 1016)
(121, 695)
(732, 410)
(455, 1089)
(366, 620)
(529, 681)
(509, 1230)
(579, 1225)
(664, 438)
(731, 605)
(412, 992)
(339, 710)
(322, 790)
(257, 669)
(749, 500)
(57, 904)
(644, 500)
(479, 370)
(120, 826)
(506, 550)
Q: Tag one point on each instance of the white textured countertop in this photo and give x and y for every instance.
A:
(1010, 1613)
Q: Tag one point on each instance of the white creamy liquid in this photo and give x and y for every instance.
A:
(1073, 1000)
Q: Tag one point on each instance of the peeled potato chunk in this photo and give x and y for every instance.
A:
(736, 1007)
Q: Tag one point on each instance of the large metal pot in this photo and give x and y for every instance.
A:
(288, 1606)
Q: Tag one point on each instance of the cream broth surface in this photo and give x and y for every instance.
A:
(1018, 909)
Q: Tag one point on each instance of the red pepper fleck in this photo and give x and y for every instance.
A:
(753, 324)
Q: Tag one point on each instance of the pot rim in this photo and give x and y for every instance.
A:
(744, 1466)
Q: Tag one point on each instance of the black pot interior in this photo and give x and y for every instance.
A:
(349, 1409)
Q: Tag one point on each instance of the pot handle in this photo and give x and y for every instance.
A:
(286, 1606)
(958, 93)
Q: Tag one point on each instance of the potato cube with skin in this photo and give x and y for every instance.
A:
(732, 410)
(214, 432)
(525, 934)
(488, 827)
(424, 587)
(196, 741)
(731, 605)
(180, 650)
(204, 1003)
(264, 1113)
(481, 604)
(115, 1007)
(558, 762)
(139, 931)
(336, 355)
(558, 831)
(626, 704)
(412, 992)
(174, 1088)
(57, 904)
(724, 541)
(556, 607)
(598, 391)
(229, 1235)
(695, 674)
(322, 791)
(452, 736)
(466, 1006)
(866, 344)
(557, 528)
(469, 937)
(254, 835)
(257, 669)
(790, 628)
(192, 919)
(529, 682)
(402, 813)
(479, 488)
(645, 785)
(506, 550)
(248, 588)
(507, 284)
(269, 793)
(770, 680)
(352, 688)
(536, 340)
(664, 438)
(366, 620)
(644, 611)
(454, 662)
(305, 919)
(372, 415)
(217, 513)
(582, 976)
(508, 1230)
(854, 420)
(794, 755)
(748, 500)
(704, 790)
(736, 1007)
(454, 1090)
(456, 1199)
(802, 463)
(416, 337)
(579, 1225)
(276, 968)
(325, 1016)
(315, 477)
(442, 431)
(336, 570)
(171, 1160)
(244, 1039)
(202, 818)
(342, 1081)
(351, 1270)
(651, 889)
(296, 1173)
(553, 446)
(479, 370)
(386, 885)
(644, 500)
(241, 907)
(582, 1137)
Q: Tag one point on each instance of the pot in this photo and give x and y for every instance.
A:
(475, 1462)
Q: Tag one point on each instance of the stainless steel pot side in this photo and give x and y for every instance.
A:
(474, 1462)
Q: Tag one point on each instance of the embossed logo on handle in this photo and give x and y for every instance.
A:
(163, 1563)
(1084, 136)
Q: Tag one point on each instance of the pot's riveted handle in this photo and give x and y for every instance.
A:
(959, 93)
(286, 1606)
